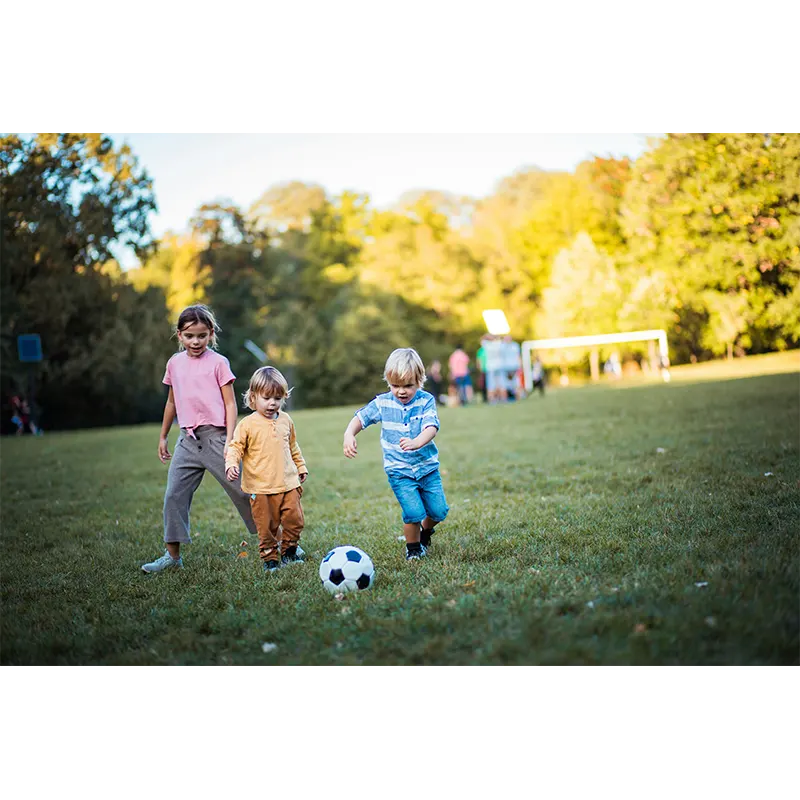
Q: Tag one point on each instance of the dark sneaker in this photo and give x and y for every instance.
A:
(415, 553)
(425, 536)
(271, 566)
(293, 555)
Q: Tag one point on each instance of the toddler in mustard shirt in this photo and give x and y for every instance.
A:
(273, 469)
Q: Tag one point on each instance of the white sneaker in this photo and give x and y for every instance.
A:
(165, 562)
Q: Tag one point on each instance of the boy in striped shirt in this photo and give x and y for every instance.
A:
(410, 458)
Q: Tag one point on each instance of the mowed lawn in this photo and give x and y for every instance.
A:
(633, 523)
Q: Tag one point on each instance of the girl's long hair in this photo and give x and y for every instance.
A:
(202, 314)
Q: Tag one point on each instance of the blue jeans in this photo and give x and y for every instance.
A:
(420, 497)
(461, 384)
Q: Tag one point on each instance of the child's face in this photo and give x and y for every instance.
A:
(268, 406)
(195, 338)
(403, 391)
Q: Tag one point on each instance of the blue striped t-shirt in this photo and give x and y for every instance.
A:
(398, 420)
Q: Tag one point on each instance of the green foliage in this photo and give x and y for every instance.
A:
(718, 217)
(177, 270)
(66, 200)
(531, 218)
(420, 260)
(584, 292)
(287, 206)
(700, 236)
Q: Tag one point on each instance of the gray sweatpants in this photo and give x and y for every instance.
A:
(190, 460)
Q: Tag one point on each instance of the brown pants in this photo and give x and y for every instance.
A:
(272, 512)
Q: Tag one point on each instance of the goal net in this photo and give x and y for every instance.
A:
(594, 342)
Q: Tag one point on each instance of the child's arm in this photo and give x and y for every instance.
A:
(364, 417)
(231, 412)
(297, 456)
(350, 444)
(419, 441)
(430, 427)
(166, 424)
(235, 450)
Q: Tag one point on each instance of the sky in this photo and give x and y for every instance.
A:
(191, 169)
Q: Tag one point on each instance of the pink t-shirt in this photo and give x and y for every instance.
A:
(196, 384)
(459, 364)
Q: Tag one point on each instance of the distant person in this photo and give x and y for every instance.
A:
(512, 361)
(496, 380)
(435, 381)
(451, 399)
(201, 395)
(612, 366)
(459, 374)
(522, 391)
(17, 417)
(410, 458)
(480, 361)
(273, 469)
(21, 416)
(538, 375)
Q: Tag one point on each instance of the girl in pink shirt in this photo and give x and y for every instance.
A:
(201, 396)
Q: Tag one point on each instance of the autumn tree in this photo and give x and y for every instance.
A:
(716, 217)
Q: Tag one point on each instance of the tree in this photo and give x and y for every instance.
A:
(418, 259)
(603, 181)
(509, 278)
(534, 215)
(458, 210)
(719, 216)
(67, 200)
(584, 294)
(728, 318)
(287, 206)
(234, 277)
(177, 270)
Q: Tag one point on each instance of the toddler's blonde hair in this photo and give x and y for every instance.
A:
(404, 366)
(266, 382)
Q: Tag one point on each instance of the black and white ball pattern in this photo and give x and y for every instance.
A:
(346, 569)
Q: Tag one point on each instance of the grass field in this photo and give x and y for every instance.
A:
(637, 523)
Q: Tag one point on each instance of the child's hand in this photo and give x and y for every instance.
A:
(303, 476)
(232, 473)
(350, 446)
(163, 450)
(408, 444)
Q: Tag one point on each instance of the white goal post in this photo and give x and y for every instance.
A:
(590, 341)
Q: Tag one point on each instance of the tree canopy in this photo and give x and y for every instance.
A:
(700, 235)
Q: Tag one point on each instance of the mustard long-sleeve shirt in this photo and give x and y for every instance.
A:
(270, 456)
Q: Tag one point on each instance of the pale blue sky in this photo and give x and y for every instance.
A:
(190, 169)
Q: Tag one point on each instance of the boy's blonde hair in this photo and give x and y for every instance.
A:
(202, 314)
(404, 366)
(266, 382)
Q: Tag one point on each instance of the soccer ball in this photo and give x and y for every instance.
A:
(346, 569)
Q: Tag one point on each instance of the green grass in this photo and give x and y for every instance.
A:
(571, 540)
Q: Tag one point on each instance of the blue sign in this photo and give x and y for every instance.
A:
(29, 347)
